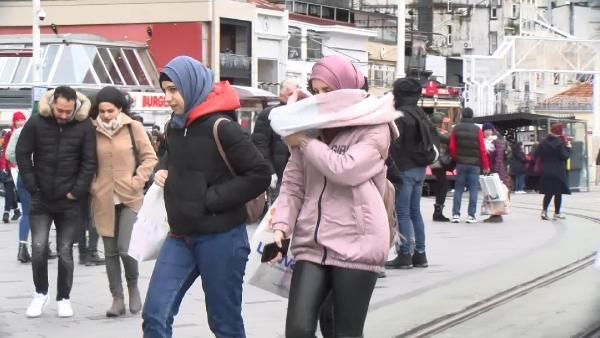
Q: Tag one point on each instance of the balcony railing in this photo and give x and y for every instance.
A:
(236, 66)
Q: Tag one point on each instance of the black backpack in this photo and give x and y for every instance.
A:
(427, 152)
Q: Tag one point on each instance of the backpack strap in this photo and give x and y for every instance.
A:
(219, 145)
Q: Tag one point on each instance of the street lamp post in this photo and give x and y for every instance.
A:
(36, 57)
(401, 37)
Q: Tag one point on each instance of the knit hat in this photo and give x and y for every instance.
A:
(193, 80)
(557, 129)
(18, 116)
(488, 126)
(438, 117)
(338, 72)
(115, 96)
(407, 86)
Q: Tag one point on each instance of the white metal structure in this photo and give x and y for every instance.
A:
(525, 54)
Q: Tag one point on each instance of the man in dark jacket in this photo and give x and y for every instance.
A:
(405, 153)
(56, 155)
(270, 144)
(467, 149)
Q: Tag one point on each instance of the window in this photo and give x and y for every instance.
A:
(8, 66)
(300, 8)
(514, 11)
(449, 35)
(111, 67)
(98, 67)
(342, 15)
(123, 66)
(493, 13)
(328, 13)
(74, 66)
(48, 60)
(314, 10)
(313, 46)
(149, 66)
(22, 69)
(378, 76)
(493, 42)
(137, 68)
(294, 43)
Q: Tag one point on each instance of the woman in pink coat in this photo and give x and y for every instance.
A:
(331, 204)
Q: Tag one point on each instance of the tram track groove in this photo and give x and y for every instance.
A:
(445, 322)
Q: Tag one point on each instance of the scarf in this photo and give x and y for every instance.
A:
(489, 143)
(336, 109)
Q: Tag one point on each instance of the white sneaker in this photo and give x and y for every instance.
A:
(471, 220)
(64, 308)
(559, 216)
(36, 308)
(456, 219)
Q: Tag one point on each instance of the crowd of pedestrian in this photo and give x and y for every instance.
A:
(82, 166)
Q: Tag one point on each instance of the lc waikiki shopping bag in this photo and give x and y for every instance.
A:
(151, 227)
(275, 278)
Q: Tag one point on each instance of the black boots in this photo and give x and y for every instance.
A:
(16, 215)
(438, 215)
(23, 255)
(5, 217)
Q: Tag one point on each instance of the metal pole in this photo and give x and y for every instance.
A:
(36, 40)
(215, 60)
(401, 37)
(38, 88)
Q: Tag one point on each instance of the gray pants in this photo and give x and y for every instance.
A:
(115, 250)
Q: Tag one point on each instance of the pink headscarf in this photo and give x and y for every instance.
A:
(338, 73)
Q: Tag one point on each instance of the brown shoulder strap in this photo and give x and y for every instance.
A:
(219, 145)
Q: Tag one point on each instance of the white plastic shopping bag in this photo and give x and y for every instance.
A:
(275, 278)
(492, 187)
(496, 200)
(151, 227)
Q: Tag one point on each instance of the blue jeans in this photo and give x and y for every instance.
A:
(466, 175)
(519, 183)
(220, 260)
(408, 209)
(25, 199)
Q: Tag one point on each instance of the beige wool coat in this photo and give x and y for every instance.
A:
(117, 173)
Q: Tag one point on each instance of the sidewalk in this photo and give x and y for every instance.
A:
(467, 262)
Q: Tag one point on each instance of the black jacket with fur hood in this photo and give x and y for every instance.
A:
(55, 159)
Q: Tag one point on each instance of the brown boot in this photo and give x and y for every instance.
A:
(135, 300)
(118, 307)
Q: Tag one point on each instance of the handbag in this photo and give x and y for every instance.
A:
(136, 154)
(254, 207)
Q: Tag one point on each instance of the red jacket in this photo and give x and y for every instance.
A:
(4, 164)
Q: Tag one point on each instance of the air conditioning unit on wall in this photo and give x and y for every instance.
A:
(468, 45)
(461, 11)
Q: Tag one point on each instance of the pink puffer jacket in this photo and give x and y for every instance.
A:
(331, 200)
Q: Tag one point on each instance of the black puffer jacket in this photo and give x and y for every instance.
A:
(270, 144)
(64, 156)
(201, 195)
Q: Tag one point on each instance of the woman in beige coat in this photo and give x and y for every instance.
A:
(125, 161)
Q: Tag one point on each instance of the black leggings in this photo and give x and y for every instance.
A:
(557, 202)
(311, 283)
